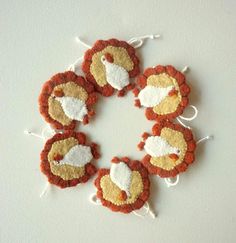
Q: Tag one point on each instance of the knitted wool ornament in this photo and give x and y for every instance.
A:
(66, 159)
(170, 149)
(125, 187)
(65, 99)
(163, 91)
(109, 65)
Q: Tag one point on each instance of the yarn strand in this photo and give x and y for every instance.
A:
(138, 41)
(33, 134)
(170, 182)
(73, 66)
(43, 134)
(185, 69)
(205, 138)
(188, 118)
(148, 211)
(93, 199)
(192, 117)
(45, 189)
(183, 123)
(82, 42)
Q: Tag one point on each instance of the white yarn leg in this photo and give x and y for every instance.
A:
(170, 182)
(148, 211)
(45, 189)
(205, 138)
(137, 42)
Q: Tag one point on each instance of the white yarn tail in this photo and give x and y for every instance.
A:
(172, 181)
(45, 189)
(183, 123)
(188, 118)
(33, 134)
(82, 42)
(205, 138)
(192, 117)
(77, 64)
(47, 130)
(137, 42)
(185, 69)
(93, 199)
(148, 210)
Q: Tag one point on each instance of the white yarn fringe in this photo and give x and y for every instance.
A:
(172, 181)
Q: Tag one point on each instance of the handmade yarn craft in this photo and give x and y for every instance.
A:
(109, 65)
(66, 159)
(163, 91)
(68, 98)
(170, 149)
(125, 187)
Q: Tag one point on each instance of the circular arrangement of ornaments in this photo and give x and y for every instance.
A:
(66, 99)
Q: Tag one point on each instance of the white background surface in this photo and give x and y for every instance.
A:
(37, 41)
